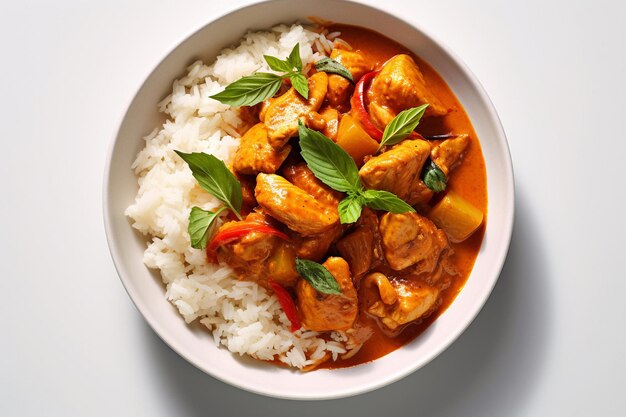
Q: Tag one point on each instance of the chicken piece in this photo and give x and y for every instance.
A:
(400, 85)
(326, 121)
(293, 206)
(398, 302)
(398, 171)
(283, 113)
(325, 312)
(302, 177)
(449, 153)
(255, 154)
(339, 88)
(410, 238)
(247, 192)
(253, 256)
(361, 248)
(314, 247)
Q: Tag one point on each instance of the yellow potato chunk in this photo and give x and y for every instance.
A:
(354, 140)
(456, 216)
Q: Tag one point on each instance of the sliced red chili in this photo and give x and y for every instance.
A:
(359, 107)
(235, 232)
(287, 304)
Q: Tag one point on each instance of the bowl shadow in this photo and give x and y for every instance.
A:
(492, 369)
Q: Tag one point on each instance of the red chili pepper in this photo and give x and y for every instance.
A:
(239, 230)
(287, 304)
(360, 109)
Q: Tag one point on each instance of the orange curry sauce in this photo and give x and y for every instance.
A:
(468, 180)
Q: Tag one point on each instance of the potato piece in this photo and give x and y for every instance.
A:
(456, 216)
(354, 140)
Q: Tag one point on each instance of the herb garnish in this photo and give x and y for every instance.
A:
(335, 168)
(215, 177)
(318, 276)
(402, 125)
(329, 65)
(434, 177)
(258, 87)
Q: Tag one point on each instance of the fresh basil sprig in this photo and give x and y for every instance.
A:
(258, 87)
(318, 276)
(434, 177)
(214, 177)
(329, 65)
(402, 125)
(200, 222)
(335, 168)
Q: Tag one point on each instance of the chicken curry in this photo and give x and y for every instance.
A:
(381, 249)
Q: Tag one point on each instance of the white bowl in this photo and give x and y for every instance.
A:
(195, 345)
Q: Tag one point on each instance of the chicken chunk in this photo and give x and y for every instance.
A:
(253, 256)
(255, 154)
(293, 206)
(449, 153)
(400, 85)
(362, 248)
(339, 88)
(314, 247)
(398, 171)
(410, 238)
(283, 113)
(302, 177)
(397, 302)
(326, 312)
(326, 121)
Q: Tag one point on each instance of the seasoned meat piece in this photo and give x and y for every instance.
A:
(397, 302)
(302, 177)
(282, 114)
(254, 256)
(247, 191)
(398, 171)
(314, 247)
(293, 206)
(361, 248)
(255, 154)
(339, 88)
(326, 312)
(409, 238)
(400, 85)
(448, 154)
(326, 121)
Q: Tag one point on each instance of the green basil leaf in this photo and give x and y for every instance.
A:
(331, 66)
(250, 90)
(278, 64)
(328, 161)
(350, 208)
(214, 177)
(402, 125)
(294, 58)
(384, 200)
(200, 222)
(434, 177)
(318, 276)
(299, 82)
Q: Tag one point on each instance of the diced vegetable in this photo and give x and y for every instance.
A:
(282, 265)
(354, 140)
(287, 304)
(359, 109)
(456, 216)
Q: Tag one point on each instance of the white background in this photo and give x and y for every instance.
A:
(550, 341)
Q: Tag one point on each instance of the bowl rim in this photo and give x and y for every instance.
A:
(499, 258)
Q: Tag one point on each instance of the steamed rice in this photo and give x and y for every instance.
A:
(241, 315)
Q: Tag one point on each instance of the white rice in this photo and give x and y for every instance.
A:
(242, 316)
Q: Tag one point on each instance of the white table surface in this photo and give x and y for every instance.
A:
(550, 341)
